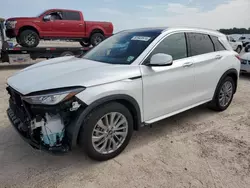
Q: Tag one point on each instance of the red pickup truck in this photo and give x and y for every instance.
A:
(57, 24)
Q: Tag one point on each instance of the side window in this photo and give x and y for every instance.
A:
(55, 16)
(217, 44)
(174, 45)
(200, 44)
(70, 15)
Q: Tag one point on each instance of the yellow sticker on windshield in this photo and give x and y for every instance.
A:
(141, 38)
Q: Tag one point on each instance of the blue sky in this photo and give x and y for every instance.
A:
(143, 13)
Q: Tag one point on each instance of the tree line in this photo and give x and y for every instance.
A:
(235, 31)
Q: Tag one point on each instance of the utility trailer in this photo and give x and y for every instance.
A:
(14, 54)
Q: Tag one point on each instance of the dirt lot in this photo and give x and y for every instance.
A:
(198, 148)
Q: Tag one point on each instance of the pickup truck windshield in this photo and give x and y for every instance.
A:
(122, 48)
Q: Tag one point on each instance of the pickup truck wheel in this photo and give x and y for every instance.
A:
(96, 38)
(85, 44)
(29, 38)
(238, 49)
(67, 53)
(106, 131)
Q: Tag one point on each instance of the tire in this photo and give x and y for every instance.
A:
(85, 44)
(96, 39)
(67, 53)
(215, 104)
(90, 123)
(238, 49)
(29, 38)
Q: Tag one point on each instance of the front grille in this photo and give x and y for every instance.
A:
(16, 105)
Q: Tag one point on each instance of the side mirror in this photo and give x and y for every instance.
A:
(161, 59)
(47, 18)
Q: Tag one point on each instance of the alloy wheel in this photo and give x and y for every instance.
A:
(226, 93)
(109, 132)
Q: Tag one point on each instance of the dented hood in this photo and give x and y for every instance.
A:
(68, 71)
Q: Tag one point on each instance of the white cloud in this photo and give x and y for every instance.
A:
(180, 9)
(146, 7)
(110, 11)
(234, 13)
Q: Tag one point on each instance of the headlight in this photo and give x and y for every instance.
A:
(11, 24)
(52, 98)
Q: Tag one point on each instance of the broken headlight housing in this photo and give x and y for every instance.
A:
(52, 98)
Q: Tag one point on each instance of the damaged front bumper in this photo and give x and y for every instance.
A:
(17, 124)
(46, 128)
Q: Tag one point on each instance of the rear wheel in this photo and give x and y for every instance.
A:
(29, 38)
(224, 95)
(106, 131)
(96, 39)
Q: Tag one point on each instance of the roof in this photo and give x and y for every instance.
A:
(150, 29)
(169, 29)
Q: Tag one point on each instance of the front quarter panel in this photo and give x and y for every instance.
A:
(130, 87)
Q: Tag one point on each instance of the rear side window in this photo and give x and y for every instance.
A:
(174, 45)
(217, 44)
(69, 15)
(199, 44)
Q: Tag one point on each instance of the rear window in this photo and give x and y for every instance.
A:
(200, 44)
(217, 44)
(70, 15)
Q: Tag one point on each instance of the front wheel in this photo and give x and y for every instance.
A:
(106, 131)
(224, 95)
(29, 38)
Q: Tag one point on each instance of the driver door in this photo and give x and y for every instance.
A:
(167, 89)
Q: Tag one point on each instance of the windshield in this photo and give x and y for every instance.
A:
(122, 48)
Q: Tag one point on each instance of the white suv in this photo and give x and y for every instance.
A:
(134, 78)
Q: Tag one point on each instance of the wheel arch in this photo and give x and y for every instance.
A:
(233, 74)
(126, 100)
(28, 27)
(97, 30)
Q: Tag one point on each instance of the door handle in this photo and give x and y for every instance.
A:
(80, 24)
(62, 23)
(218, 57)
(188, 64)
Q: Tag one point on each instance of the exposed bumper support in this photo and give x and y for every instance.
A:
(15, 121)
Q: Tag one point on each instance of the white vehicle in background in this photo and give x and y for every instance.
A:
(245, 40)
(245, 63)
(236, 45)
(133, 78)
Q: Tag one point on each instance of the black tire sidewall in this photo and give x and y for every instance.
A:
(85, 137)
(93, 38)
(218, 106)
(22, 38)
(239, 48)
(84, 44)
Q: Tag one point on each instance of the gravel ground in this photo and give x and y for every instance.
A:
(197, 148)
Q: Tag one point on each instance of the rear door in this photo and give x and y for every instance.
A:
(75, 25)
(208, 56)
